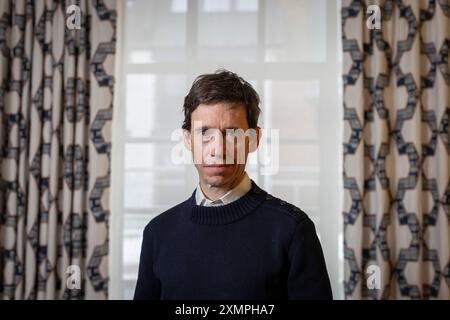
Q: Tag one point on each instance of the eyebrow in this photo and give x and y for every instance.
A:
(207, 128)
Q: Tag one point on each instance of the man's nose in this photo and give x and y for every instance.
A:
(218, 147)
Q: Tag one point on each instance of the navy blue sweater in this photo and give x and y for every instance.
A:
(257, 247)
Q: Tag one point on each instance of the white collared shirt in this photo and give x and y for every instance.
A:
(232, 195)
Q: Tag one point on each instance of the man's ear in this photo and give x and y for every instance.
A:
(253, 146)
(187, 139)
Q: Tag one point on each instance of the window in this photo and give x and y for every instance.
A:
(289, 51)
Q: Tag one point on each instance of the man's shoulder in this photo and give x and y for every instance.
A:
(167, 217)
(284, 210)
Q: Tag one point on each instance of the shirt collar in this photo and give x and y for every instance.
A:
(232, 195)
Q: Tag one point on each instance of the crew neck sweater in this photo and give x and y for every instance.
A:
(258, 247)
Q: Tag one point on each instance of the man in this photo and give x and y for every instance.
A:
(230, 239)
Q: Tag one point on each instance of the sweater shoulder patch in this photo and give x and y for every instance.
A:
(286, 207)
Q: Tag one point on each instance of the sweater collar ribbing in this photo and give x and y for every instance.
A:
(228, 213)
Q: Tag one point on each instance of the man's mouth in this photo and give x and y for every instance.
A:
(217, 165)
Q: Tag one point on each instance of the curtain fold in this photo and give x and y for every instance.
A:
(56, 95)
(397, 150)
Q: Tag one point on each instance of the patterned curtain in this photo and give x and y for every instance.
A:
(56, 96)
(397, 150)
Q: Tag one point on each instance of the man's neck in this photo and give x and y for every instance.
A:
(214, 193)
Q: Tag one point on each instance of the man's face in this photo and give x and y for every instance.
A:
(219, 165)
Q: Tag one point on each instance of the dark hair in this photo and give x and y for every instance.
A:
(221, 86)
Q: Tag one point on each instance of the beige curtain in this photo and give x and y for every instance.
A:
(397, 150)
(55, 115)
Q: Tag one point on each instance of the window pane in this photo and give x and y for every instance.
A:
(156, 30)
(302, 193)
(298, 173)
(154, 104)
(294, 106)
(296, 30)
(216, 6)
(298, 178)
(156, 156)
(218, 27)
(133, 228)
(144, 189)
(128, 289)
(305, 156)
(246, 5)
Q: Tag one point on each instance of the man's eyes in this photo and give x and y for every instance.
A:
(211, 133)
(207, 134)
